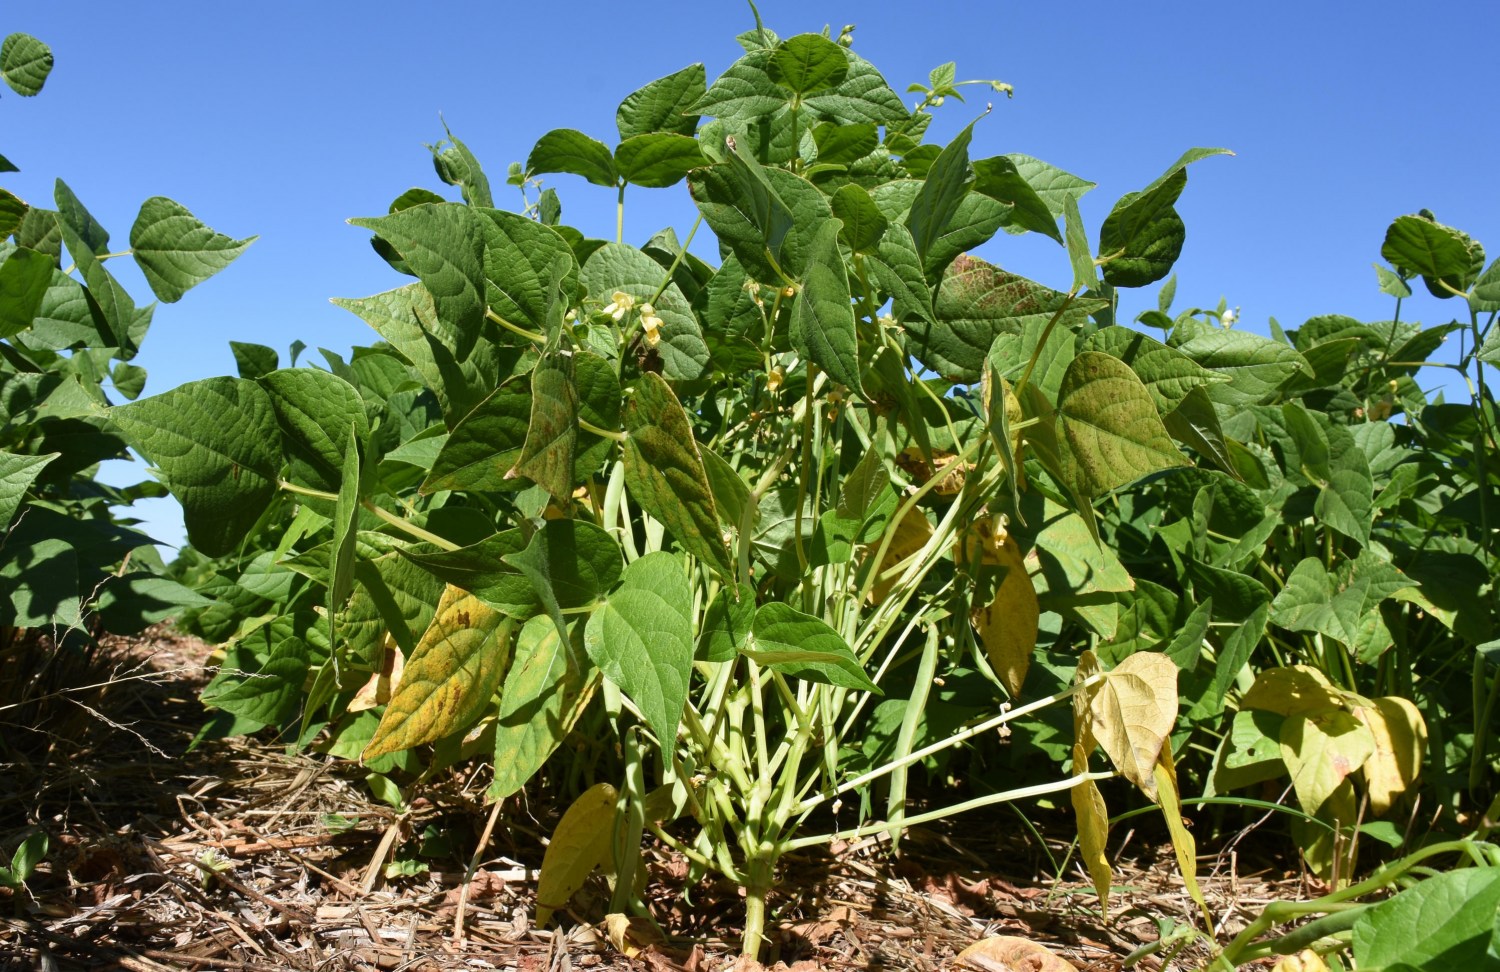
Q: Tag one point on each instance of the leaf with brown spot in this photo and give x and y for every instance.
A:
(1321, 750)
(450, 678)
(1133, 713)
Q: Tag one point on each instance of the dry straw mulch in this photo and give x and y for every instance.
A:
(237, 856)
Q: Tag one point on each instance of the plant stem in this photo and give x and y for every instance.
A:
(620, 215)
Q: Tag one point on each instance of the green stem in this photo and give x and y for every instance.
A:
(593, 429)
(531, 336)
(411, 529)
(620, 215)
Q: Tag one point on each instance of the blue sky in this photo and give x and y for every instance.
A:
(284, 119)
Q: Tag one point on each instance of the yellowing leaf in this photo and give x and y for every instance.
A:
(1008, 625)
(1304, 961)
(912, 533)
(1133, 712)
(1321, 750)
(1083, 702)
(377, 691)
(631, 935)
(450, 678)
(583, 840)
(1294, 690)
(1093, 828)
(1009, 952)
(1400, 736)
(1183, 844)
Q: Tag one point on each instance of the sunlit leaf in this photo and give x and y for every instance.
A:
(1133, 712)
(582, 841)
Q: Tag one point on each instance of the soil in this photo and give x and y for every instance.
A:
(238, 855)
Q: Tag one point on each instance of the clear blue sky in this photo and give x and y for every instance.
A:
(284, 119)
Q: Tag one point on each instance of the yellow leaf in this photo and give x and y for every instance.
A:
(1008, 625)
(583, 840)
(1294, 690)
(1007, 952)
(377, 691)
(912, 533)
(1093, 828)
(1183, 844)
(450, 678)
(1304, 961)
(1133, 712)
(1320, 751)
(1083, 702)
(1400, 736)
(631, 936)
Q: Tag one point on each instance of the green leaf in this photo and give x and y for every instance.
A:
(744, 92)
(1390, 283)
(937, 202)
(27, 856)
(17, 473)
(485, 445)
(25, 63)
(457, 166)
(808, 63)
(802, 646)
(769, 236)
(1085, 274)
(552, 435)
(567, 150)
(618, 266)
(1001, 180)
(844, 144)
(1441, 255)
(114, 305)
(72, 212)
(316, 410)
(12, 212)
(1168, 374)
(25, 277)
(215, 442)
(1051, 184)
(1111, 424)
(663, 105)
(727, 624)
(1256, 366)
(176, 251)
(571, 562)
(1446, 921)
(1236, 596)
(658, 159)
(1195, 424)
(520, 256)
(863, 97)
(269, 695)
(863, 223)
(253, 360)
(482, 570)
(898, 271)
(444, 245)
(1309, 601)
(822, 325)
(665, 475)
(450, 678)
(1344, 502)
(642, 640)
(1142, 236)
(345, 525)
(543, 696)
(731, 494)
(760, 202)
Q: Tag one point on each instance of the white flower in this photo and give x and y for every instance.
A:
(620, 305)
(1229, 317)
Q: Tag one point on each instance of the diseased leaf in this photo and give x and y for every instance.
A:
(1183, 845)
(1400, 736)
(1168, 374)
(665, 475)
(450, 678)
(1111, 424)
(583, 840)
(1320, 750)
(1011, 952)
(1292, 691)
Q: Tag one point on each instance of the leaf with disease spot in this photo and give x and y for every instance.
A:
(443, 244)
(571, 151)
(543, 696)
(583, 840)
(552, 434)
(25, 63)
(176, 251)
(802, 646)
(641, 638)
(1111, 424)
(1400, 735)
(450, 678)
(663, 105)
(215, 442)
(1320, 750)
(664, 472)
(1133, 712)
(822, 326)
